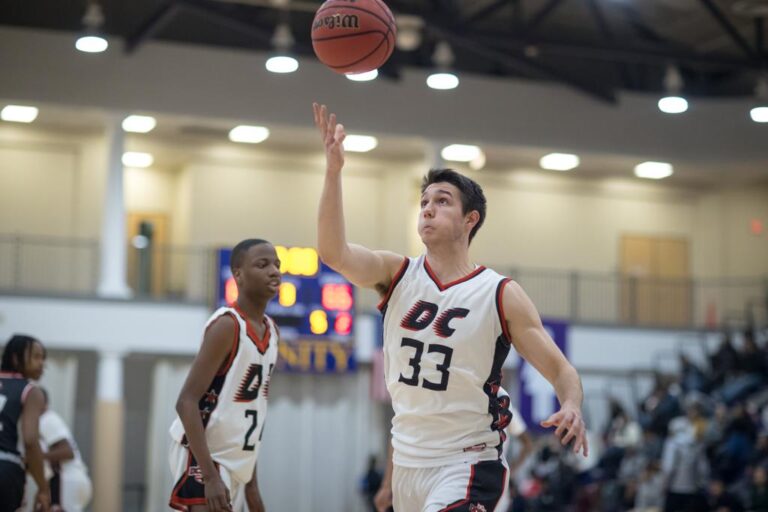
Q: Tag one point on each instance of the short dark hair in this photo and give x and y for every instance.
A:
(238, 253)
(472, 196)
(13, 354)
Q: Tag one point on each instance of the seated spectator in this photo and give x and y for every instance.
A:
(692, 378)
(724, 361)
(720, 500)
(650, 491)
(758, 490)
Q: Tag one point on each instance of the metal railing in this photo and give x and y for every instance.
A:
(58, 266)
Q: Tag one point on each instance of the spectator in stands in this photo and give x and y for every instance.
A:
(735, 449)
(720, 500)
(724, 361)
(685, 468)
(692, 378)
(650, 491)
(758, 491)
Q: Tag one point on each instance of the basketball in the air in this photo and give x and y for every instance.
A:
(353, 36)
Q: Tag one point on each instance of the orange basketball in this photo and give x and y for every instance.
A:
(353, 36)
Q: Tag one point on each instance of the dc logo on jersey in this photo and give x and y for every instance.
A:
(423, 314)
(196, 473)
(477, 507)
(249, 387)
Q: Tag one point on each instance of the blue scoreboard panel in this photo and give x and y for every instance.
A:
(314, 301)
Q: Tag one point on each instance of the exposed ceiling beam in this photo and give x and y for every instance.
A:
(160, 18)
(485, 11)
(207, 10)
(543, 13)
(729, 29)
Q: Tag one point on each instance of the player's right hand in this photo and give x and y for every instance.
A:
(333, 137)
(383, 498)
(217, 495)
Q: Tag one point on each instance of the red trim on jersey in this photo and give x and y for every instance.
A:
(261, 343)
(500, 308)
(233, 351)
(466, 499)
(395, 279)
(11, 375)
(442, 287)
(26, 391)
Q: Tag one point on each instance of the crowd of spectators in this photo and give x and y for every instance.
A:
(698, 442)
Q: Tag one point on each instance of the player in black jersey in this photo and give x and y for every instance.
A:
(21, 404)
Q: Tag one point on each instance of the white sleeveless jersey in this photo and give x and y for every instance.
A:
(443, 350)
(235, 406)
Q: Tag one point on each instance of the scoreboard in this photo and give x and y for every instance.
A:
(314, 301)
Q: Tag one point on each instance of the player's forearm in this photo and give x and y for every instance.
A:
(331, 239)
(34, 458)
(387, 480)
(193, 428)
(60, 452)
(567, 386)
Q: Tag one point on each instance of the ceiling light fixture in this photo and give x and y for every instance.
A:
(461, 153)
(248, 134)
(283, 61)
(92, 40)
(19, 113)
(360, 143)
(363, 77)
(559, 162)
(137, 159)
(139, 124)
(654, 170)
(673, 102)
(443, 79)
(759, 113)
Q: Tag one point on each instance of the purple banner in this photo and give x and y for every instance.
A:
(537, 397)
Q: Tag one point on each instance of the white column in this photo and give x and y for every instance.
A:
(432, 156)
(108, 433)
(112, 280)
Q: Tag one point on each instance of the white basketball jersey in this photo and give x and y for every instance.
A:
(235, 406)
(444, 345)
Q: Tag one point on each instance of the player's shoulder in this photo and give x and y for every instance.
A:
(222, 324)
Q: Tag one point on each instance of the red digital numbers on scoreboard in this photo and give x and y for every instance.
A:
(337, 297)
(343, 324)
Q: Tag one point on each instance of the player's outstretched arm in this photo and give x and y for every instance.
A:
(30, 433)
(360, 265)
(535, 346)
(217, 344)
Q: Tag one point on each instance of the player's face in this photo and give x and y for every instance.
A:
(259, 276)
(441, 216)
(35, 361)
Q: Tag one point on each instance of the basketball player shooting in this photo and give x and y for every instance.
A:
(448, 327)
(223, 403)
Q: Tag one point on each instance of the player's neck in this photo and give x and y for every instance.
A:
(449, 263)
(253, 311)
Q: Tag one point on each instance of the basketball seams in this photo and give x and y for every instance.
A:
(377, 11)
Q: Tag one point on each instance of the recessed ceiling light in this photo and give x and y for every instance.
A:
(248, 134)
(136, 159)
(460, 153)
(360, 143)
(653, 170)
(559, 162)
(139, 124)
(19, 113)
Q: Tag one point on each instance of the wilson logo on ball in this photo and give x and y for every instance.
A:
(353, 36)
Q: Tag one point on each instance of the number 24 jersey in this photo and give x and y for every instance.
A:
(234, 407)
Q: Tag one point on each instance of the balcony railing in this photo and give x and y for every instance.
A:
(67, 266)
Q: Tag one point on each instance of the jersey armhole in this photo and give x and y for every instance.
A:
(500, 309)
(24, 392)
(395, 280)
(235, 345)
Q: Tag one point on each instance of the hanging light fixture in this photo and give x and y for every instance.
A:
(673, 102)
(92, 40)
(282, 61)
(759, 113)
(443, 79)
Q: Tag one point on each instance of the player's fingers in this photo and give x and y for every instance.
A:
(340, 134)
(552, 420)
(563, 424)
(585, 449)
(571, 434)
